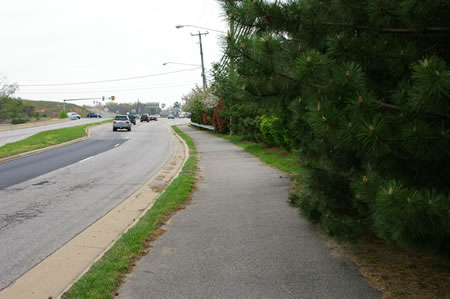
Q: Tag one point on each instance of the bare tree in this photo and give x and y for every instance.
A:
(6, 89)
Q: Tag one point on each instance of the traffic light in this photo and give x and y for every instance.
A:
(112, 98)
(103, 99)
(177, 104)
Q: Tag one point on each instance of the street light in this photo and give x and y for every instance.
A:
(193, 26)
(170, 62)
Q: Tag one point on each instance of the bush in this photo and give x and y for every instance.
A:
(218, 120)
(274, 133)
(19, 121)
(62, 114)
(248, 128)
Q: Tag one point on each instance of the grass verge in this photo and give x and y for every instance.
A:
(274, 156)
(105, 276)
(45, 139)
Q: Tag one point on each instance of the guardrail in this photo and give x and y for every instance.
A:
(209, 128)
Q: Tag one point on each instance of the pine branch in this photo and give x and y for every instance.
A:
(383, 104)
(257, 62)
(430, 48)
(391, 30)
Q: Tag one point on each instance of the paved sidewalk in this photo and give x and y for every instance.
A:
(239, 238)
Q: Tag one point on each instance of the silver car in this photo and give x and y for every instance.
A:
(73, 115)
(121, 122)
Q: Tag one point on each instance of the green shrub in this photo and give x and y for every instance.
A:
(19, 121)
(62, 114)
(274, 133)
(248, 128)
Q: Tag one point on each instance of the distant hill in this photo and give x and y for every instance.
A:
(52, 109)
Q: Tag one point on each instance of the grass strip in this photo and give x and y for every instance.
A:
(105, 276)
(45, 139)
(277, 157)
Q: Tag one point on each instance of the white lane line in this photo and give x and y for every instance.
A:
(117, 145)
(85, 159)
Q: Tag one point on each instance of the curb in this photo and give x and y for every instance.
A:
(44, 149)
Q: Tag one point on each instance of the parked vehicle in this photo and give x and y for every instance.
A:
(132, 118)
(93, 115)
(153, 117)
(121, 122)
(73, 115)
(171, 116)
(145, 117)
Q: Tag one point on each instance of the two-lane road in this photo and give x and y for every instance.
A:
(79, 184)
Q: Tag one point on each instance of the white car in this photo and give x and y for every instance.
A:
(73, 115)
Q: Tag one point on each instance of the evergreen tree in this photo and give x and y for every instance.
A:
(364, 89)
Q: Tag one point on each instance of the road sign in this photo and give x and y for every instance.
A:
(152, 105)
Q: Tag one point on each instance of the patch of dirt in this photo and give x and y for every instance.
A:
(285, 154)
(274, 149)
(159, 188)
(399, 273)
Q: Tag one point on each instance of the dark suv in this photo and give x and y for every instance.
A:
(132, 118)
(90, 115)
(145, 117)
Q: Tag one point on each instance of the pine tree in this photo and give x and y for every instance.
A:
(364, 88)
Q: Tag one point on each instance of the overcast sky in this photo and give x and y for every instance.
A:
(71, 41)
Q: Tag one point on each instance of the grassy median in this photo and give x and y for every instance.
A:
(105, 276)
(45, 139)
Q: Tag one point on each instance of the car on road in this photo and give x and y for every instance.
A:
(121, 122)
(153, 117)
(132, 118)
(93, 115)
(171, 116)
(73, 115)
(145, 117)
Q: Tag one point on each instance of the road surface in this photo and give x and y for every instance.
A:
(39, 215)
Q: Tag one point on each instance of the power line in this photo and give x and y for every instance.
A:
(99, 91)
(111, 80)
(102, 88)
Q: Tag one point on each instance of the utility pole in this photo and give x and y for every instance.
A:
(205, 86)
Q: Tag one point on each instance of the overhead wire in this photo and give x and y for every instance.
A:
(106, 88)
(94, 91)
(110, 80)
